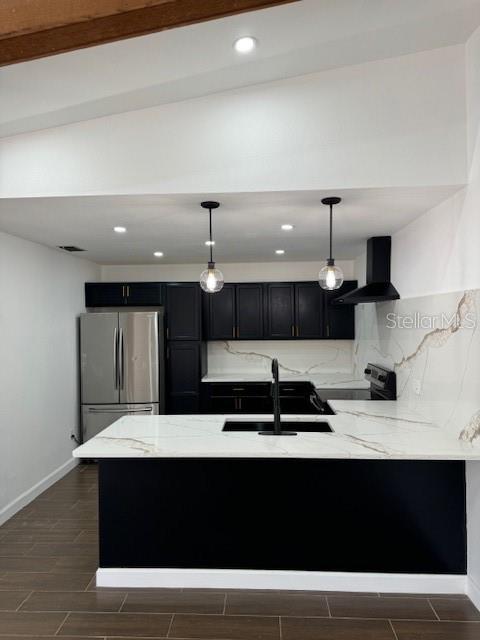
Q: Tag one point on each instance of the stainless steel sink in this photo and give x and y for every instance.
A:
(288, 428)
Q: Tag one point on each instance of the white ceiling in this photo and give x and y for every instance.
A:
(246, 227)
(295, 39)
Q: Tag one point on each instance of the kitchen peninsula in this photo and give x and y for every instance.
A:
(183, 503)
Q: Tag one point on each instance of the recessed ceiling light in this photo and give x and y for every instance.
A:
(210, 243)
(287, 227)
(279, 252)
(120, 229)
(158, 254)
(245, 44)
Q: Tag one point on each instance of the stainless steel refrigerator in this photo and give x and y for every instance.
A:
(122, 368)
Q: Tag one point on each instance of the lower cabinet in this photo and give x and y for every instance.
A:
(252, 397)
(186, 363)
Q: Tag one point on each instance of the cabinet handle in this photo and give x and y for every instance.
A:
(128, 290)
(168, 333)
(238, 332)
(297, 331)
(293, 331)
(328, 331)
(123, 291)
(233, 331)
(238, 389)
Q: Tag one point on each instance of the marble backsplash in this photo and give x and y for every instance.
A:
(294, 356)
(433, 344)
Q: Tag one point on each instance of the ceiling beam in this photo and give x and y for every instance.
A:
(32, 29)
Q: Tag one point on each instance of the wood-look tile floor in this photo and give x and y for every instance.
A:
(48, 558)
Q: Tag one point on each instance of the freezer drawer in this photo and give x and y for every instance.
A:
(96, 418)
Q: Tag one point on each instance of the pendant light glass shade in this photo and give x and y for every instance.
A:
(211, 280)
(330, 276)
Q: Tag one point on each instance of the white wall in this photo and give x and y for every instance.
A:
(41, 295)
(233, 272)
(394, 122)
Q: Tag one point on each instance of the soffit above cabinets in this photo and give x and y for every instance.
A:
(247, 226)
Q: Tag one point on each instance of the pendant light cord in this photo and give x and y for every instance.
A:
(211, 245)
(331, 225)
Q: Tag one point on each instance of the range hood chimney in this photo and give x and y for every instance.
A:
(378, 287)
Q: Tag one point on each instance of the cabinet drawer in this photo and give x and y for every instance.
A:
(238, 389)
(295, 388)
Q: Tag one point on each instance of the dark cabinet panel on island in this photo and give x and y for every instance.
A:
(340, 320)
(183, 311)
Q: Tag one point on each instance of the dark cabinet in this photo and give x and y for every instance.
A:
(294, 310)
(221, 314)
(183, 311)
(100, 294)
(116, 294)
(235, 312)
(186, 363)
(280, 311)
(255, 397)
(249, 311)
(339, 320)
(308, 310)
(144, 294)
(237, 398)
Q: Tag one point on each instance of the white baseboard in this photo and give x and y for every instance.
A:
(27, 496)
(473, 592)
(292, 580)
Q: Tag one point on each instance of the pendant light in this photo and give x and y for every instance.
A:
(330, 276)
(211, 280)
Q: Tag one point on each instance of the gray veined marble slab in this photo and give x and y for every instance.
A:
(361, 429)
(325, 363)
(433, 345)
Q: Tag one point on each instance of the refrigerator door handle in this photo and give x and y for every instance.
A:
(122, 362)
(145, 410)
(115, 363)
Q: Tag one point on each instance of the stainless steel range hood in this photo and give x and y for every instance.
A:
(378, 287)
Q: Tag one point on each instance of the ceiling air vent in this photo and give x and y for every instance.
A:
(71, 248)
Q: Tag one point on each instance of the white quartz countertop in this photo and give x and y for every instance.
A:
(319, 380)
(361, 429)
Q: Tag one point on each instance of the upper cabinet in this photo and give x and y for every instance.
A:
(308, 310)
(235, 312)
(116, 294)
(249, 311)
(221, 323)
(183, 311)
(294, 310)
(242, 311)
(280, 310)
(340, 319)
